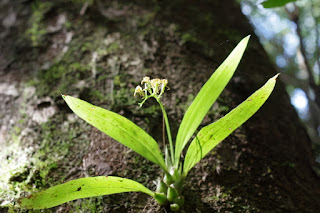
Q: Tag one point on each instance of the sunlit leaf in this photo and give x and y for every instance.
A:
(209, 136)
(207, 96)
(119, 128)
(275, 3)
(82, 188)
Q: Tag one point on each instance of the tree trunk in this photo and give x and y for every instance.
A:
(99, 52)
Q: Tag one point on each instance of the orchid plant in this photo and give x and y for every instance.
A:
(170, 184)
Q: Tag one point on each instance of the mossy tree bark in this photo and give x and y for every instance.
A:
(100, 50)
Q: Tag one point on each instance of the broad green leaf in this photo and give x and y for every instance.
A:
(119, 128)
(207, 96)
(209, 136)
(276, 3)
(82, 188)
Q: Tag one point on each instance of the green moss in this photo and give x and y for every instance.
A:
(59, 78)
(87, 205)
(23, 167)
(116, 80)
(37, 29)
(68, 25)
(112, 47)
(147, 18)
(188, 37)
(76, 66)
(99, 95)
(86, 46)
(81, 2)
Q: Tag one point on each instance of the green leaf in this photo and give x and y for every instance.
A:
(207, 96)
(209, 136)
(275, 3)
(119, 128)
(82, 188)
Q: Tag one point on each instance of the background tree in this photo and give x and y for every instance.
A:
(99, 51)
(289, 31)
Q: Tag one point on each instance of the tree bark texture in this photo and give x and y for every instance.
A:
(100, 52)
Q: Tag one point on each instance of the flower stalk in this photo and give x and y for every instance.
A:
(154, 88)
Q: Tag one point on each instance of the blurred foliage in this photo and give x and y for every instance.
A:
(290, 34)
(276, 3)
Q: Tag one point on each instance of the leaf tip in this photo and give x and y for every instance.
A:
(246, 39)
(276, 76)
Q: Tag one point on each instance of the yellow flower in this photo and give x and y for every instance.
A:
(155, 85)
(151, 87)
(145, 80)
(164, 82)
(138, 91)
